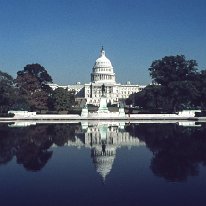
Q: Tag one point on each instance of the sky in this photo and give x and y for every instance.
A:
(65, 36)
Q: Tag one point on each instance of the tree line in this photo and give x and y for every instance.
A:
(30, 91)
(177, 84)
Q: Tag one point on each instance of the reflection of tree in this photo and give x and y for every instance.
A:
(173, 167)
(7, 145)
(30, 144)
(33, 158)
(32, 152)
(61, 133)
(178, 151)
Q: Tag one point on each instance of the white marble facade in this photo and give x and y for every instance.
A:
(102, 73)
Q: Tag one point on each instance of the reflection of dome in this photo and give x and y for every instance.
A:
(103, 70)
(103, 159)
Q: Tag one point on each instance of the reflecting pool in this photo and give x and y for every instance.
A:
(102, 163)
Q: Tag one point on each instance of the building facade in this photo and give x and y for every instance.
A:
(102, 74)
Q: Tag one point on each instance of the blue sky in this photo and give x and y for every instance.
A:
(65, 36)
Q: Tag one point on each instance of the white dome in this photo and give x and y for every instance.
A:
(103, 61)
(103, 70)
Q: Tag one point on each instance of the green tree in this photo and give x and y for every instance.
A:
(175, 85)
(201, 85)
(172, 68)
(62, 99)
(38, 71)
(151, 98)
(32, 83)
(8, 92)
(6, 86)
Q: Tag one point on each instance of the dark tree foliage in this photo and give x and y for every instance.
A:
(176, 86)
(172, 68)
(32, 83)
(62, 99)
(6, 91)
(6, 79)
(201, 85)
(38, 71)
(128, 101)
(151, 98)
(9, 94)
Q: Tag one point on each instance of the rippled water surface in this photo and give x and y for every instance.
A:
(102, 163)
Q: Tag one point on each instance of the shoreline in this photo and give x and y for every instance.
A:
(79, 118)
(104, 115)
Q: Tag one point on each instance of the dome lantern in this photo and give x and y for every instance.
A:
(102, 52)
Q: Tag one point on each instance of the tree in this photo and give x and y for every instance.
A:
(128, 101)
(28, 84)
(172, 68)
(62, 99)
(7, 92)
(38, 71)
(32, 83)
(175, 85)
(153, 98)
(5, 88)
(201, 85)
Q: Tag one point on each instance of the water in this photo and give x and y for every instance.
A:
(102, 164)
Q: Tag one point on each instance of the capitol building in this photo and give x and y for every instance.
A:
(102, 75)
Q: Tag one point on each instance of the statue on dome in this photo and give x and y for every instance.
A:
(102, 51)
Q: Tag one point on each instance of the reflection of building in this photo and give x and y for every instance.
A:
(103, 158)
(102, 74)
(104, 139)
